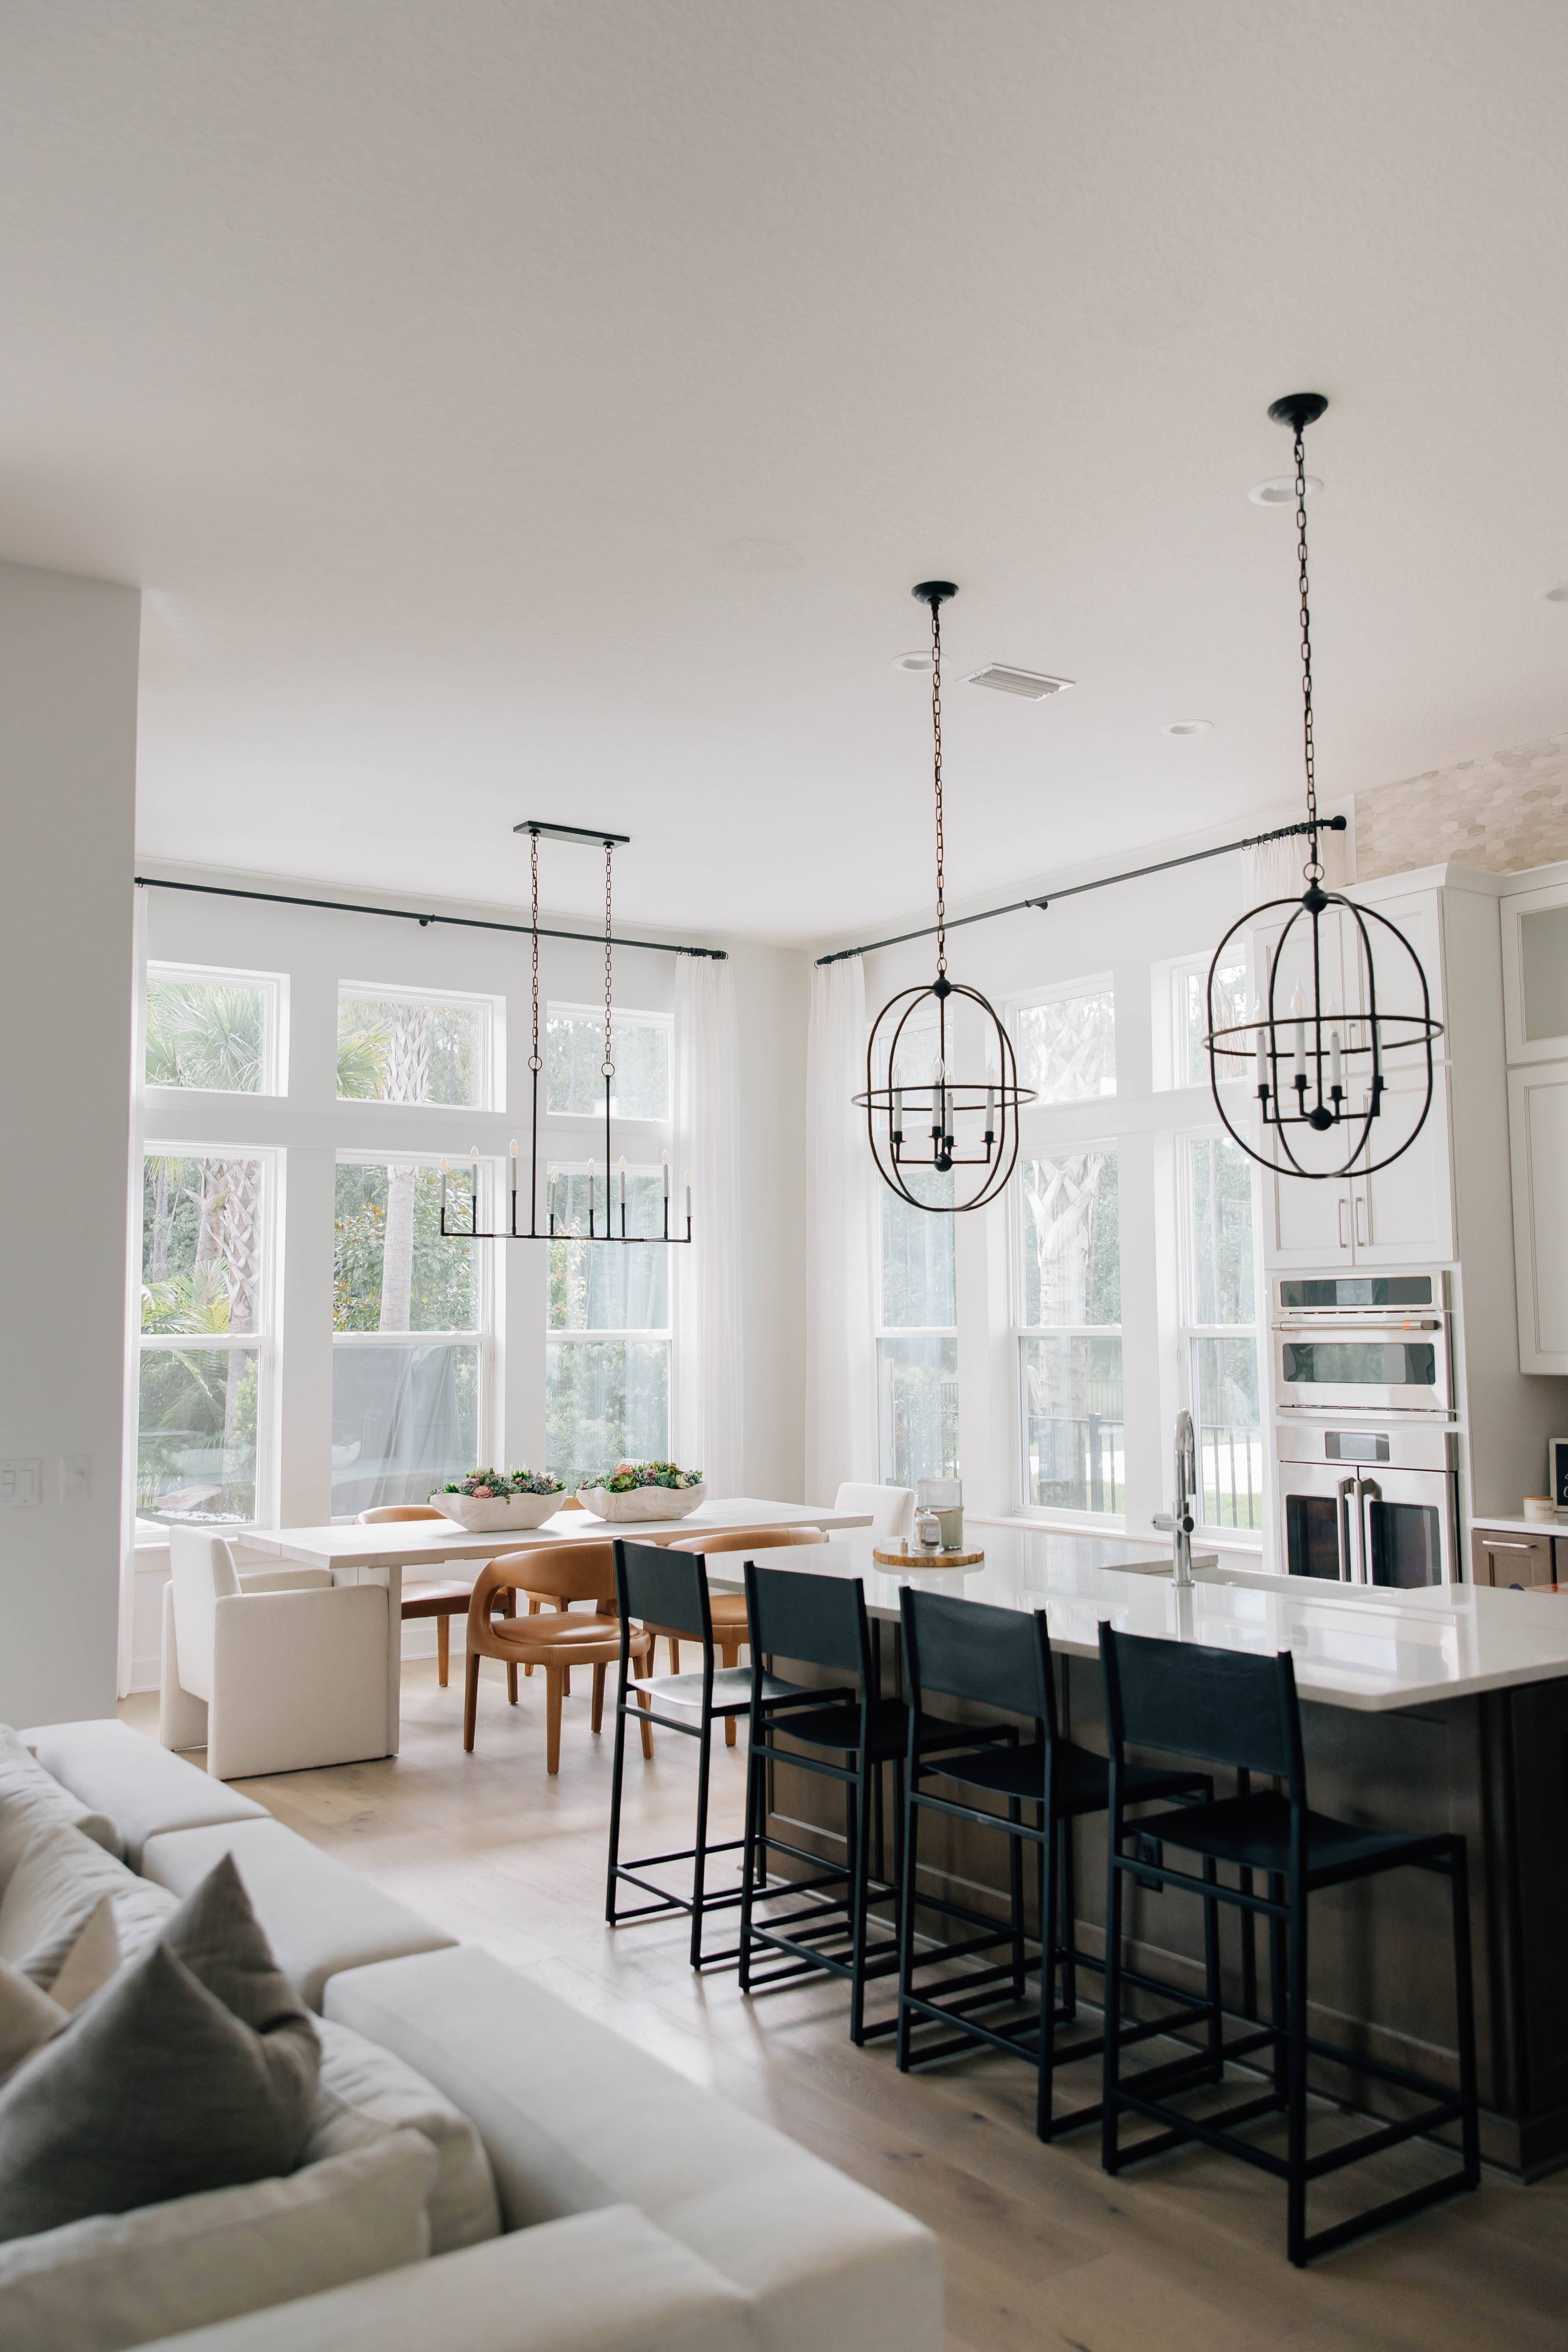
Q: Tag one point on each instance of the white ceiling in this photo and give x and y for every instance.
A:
(544, 409)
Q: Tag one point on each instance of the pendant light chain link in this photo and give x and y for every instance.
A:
(1313, 869)
(609, 1068)
(936, 756)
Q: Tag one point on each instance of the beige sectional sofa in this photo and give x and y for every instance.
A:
(588, 2199)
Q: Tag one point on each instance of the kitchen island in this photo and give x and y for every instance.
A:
(1437, 1709)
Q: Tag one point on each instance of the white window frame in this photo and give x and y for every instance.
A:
(1189, 1328)
(1098, 983)
(489, 1419)
(630, 1014)
(612, 1334)
(1066, 1145)
(489, 1059)
(1170, 1023)
(274, 990)
(265, 1340)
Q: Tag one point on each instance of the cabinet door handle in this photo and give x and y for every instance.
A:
(1363, 1238)
(1497, 1543)
(1340, 1205)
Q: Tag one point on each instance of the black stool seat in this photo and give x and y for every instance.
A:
(732, 1690)
(1080, 1780)
(1254, 1833)
(887, 1732)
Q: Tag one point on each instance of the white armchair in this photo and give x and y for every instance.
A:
(892, 1510)
(273, 1670)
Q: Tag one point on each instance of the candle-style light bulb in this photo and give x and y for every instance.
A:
(1297, 1009)
(689, 1191)
(514, 1164)
(1336, 1072)
(443, 1196)
(1260, 1075)
(622, 1180)
(553, 1196)
(667, 1175)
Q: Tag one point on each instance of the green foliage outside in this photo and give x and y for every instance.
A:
(450, 1044)
(574, 1065)
(442, 1293)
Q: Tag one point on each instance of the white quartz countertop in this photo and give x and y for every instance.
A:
(1373, 1650)
(1522, 1526)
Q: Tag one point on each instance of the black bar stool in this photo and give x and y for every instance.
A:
(965, 1649)
(669, 1590)
(821, 1620)
(1243, 1712)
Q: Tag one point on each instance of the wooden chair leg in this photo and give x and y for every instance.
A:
(554, 1677)
(674, 1655)
(443, 1649)
(511, 1680)
(472, 1701)
(731, 1653)
(644, 1727)
(598, 1714)
(533, 1611)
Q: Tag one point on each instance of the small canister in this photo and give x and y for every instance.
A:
(927, 1530)
(944, 1496)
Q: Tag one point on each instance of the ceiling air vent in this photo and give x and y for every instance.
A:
(1032, 684)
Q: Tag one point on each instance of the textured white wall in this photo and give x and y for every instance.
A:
(67, 778)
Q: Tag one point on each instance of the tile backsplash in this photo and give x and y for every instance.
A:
(1504, 813)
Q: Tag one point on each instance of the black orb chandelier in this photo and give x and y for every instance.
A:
(1306, 1058)
(929, 1118)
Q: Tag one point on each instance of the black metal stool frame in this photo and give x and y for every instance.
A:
(1241, 1712)
(671, 1588)
(822, 1620)
(969, 1650)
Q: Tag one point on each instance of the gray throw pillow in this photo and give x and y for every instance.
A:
(193, 2068)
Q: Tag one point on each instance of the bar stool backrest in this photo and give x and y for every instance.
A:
(666, 1589)
(1215, 1705)
(971, 1649)
(819, 1620)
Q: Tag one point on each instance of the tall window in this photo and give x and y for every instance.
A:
(1066, 1043)
(220, 1032)
(1219, 1314)
(205, 1375)
(574, 1058)
(608, 1332)
(411, 1046)
(1070, 1338)
(410, 1323)
(916, 1343)
(1190, 1018)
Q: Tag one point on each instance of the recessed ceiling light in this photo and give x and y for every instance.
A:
(1282, 491)
(1188, 727)
(1034, 684)
(920, 661)
(1558, 596)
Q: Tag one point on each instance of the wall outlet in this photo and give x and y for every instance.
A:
(76, 1477)
(21, 1482)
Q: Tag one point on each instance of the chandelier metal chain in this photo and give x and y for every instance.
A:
(1318, 1042)
(609, 1069)
(936, 770)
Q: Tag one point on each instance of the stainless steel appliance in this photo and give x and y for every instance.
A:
(1361, 1343)
(1370, 1505)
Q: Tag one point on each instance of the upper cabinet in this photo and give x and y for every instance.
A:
(1535, 974)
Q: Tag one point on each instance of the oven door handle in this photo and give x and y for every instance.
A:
(1349, 1554)
(1367, 1492)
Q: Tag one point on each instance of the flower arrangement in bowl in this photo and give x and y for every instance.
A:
(642, 1490)
(486, 1501)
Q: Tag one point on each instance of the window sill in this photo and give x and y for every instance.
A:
(1114, 1528)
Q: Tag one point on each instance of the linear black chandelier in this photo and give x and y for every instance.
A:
(612, 1232)
(1319, 1043)
(946, 1111)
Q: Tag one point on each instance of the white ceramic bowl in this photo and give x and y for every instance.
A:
(641, 1502)
(492, 1515)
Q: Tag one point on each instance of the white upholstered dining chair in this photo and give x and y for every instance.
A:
(275, 1669)
(892, 1508)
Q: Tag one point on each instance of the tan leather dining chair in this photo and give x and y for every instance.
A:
(442, 1598)
(730, 1632)
(575, 1572)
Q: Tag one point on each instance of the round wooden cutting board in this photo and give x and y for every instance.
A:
(917, 1556)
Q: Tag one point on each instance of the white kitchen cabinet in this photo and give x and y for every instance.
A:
(1538, 1151)
(1403, 1214)
(1535, 973)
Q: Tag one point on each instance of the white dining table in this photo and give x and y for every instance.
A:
(379, 1554)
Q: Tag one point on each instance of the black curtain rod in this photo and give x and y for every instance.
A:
(407, 915)
(1193, 858)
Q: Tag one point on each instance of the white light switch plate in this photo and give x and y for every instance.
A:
(76, 1477)
(21, 1482)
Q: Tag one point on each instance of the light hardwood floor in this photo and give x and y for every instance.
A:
(1043, 2249)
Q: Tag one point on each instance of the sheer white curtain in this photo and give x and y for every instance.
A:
(709, 1404)
(840, 1299)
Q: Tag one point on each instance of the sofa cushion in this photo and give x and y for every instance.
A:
(142, 1788)
(365, 2093)
(572, 2117)
(56, 1882)
(318, 1915)
(605, 2281)
(119, 2279)
(195, 2067)
(28, 2018)
(31, 1798)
